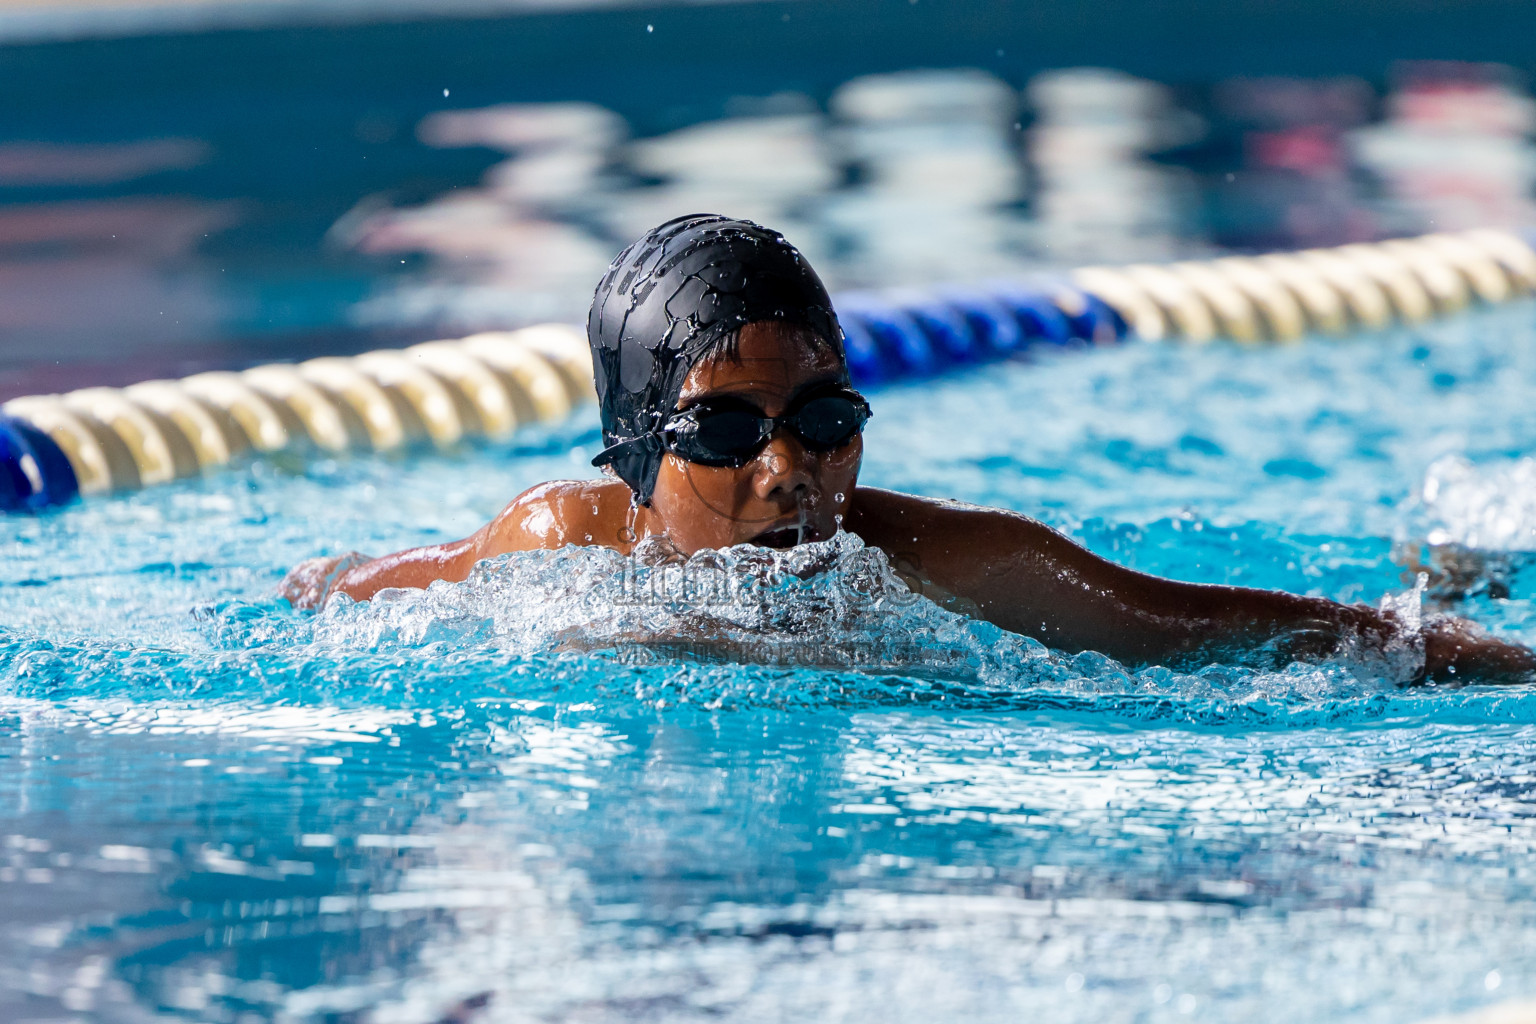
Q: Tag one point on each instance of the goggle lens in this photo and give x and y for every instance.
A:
(729, 433)
(827, 422)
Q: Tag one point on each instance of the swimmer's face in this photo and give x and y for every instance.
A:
(767, 500)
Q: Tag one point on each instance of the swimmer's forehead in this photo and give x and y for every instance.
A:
(768, 360)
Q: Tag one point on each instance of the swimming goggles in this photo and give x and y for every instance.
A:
(729, 431)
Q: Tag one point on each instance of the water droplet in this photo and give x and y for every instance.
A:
(650, 28)
(445, 93)
(839, 497)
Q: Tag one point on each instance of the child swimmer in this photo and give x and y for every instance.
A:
(728, 419)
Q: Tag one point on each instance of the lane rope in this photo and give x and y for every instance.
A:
(441, 394)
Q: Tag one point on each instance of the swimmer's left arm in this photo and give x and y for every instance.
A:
(1023, 576)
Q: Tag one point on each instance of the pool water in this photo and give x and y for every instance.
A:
(514, 800)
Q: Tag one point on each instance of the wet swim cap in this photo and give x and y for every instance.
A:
(664, 304)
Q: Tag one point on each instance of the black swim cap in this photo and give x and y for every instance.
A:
(664, 304)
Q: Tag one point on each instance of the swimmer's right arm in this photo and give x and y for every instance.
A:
(311, 583)
(536, 519)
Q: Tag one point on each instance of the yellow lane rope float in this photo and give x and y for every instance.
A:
(1277, 297)
(439, 393)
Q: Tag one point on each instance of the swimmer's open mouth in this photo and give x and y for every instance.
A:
(783, 537)
(787, 534)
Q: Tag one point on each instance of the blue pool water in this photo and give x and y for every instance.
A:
(827, 801)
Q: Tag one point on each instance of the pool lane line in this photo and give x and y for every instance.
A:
(436, 395)
(1281, 297)
(488, 386)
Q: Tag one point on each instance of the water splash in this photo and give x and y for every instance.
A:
(828, 623)
(835, 604)
(1470, 529)
(1491, 507)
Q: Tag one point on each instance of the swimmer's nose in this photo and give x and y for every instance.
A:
(781, 468)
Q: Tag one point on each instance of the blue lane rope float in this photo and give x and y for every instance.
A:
(488, 386)
(34, 471)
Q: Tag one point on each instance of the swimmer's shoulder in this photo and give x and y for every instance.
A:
(559, 512)
(882, 510)
(912, 525)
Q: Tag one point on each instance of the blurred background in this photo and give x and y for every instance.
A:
(215, 183)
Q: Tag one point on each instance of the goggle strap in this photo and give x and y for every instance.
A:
(629, 446)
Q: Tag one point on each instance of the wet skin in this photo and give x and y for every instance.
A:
(996, 565)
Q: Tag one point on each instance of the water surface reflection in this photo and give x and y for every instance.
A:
(504, 214)
(547, 862)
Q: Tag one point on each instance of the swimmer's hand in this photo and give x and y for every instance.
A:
(309, 583)
(1456, 650)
